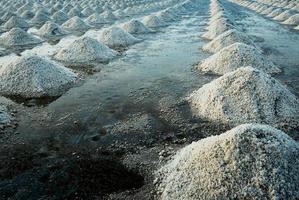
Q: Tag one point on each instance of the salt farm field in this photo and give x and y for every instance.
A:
(136, 99)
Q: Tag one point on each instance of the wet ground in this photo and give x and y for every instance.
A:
(126, 119)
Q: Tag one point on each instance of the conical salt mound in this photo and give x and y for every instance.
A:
(225, 39)
(216, 28)
(153, 21)
(34, 77)
(51, 30)
(60, 17)
(251, 161)
(75, 24)
(85, 51)
(283, 16)
(40, 18)
(235, 56)
(135, 27)
(115, 37)
(16, 22)
(293, 20)
(166, 16)
(108, 16)
(27, 14)
(95, 20)
(18, 37)
(243, 96)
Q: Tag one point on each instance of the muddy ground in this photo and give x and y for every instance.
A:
(105, 138)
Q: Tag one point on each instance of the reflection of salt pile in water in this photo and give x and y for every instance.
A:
(51, 30)
(75, 24)
(235, 56)
(225, 39)
(115, 37)
(245, 95)
(16, 22)
(153, 21)
(18, 37)
(251, 161)
(217, 27)
(85, 51)
(293, 20)
(134, 26)
(5, 118)
(59, 17)
(33, 77)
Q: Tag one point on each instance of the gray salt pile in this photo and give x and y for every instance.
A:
(15, 22)
(3, 52)
(166, 16)
(293, 20)
(108, 16)
(153, 21)
(135, 27)
(87, 11)
(60, 17)
(245, 95)
(27, 14)
(5, 118)
(40, 18)
(225, 39)
(51, 30)
(283, 16)
(34, 77)
(216, 28)
(251, 161)
(75, 12)
(235, 56)
(95, 20)
(115, 37)
(85, 51)
(75, 24)
(18, 37)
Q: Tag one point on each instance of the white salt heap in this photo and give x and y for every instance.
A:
(95, 19)
(283, 16)
(153, 21)
(293, 20)
(75, 24)
(235, 56)
(134, 26)
(18, 37)
(217, 27)
(225, 39)
(245, 95)
(115, 37)
(33, 77)
(16, 22)
(51, 30)
(85, 51)
(251, 161)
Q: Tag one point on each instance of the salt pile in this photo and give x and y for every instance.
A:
(166, 16)
(293, 20)
(134, 26)
(115, 37)
(153, 21)
(27, 14)
(5, 118)
(251, 161)
(16, 22)
(40, 18)
(18, 37)
(34, 77)
(234, 56)
(108, 16)
(95, 20)
(85, 51)
(87, 11)
(75, 12)
(59, 17)
(216, 28)
(283, 16)
(245, 95)
(3, 52)
(225, 39)
(51, 30)
(75, 24)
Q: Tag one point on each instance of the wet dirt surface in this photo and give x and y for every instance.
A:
(128, 118)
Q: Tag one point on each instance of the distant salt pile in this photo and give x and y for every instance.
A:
(225, 39)
(153, 21)
(75, 12)
(59, 17)
(108, 16)
(251, 161)
(75, 24)
(235, 56)
(115, 37)
(18, 37)
(245, 95)
(34, 77)
(275, 12)
(283, 16)
(85, 51)
(16, 22)
(40, 18)
(166, 16)
(27, 14)
(5, 118)
(216, 28)
(95, 20)
(87, 11)
(51, 30)
(134, 26)
(293, 20)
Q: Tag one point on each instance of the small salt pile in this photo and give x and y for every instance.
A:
(283, 16)
(85, 52)
(153, 21)
(134, 26)
(27, 14)
(51, 30)
(245, 95)
(75, 12)
(40, 18)
(293, 20)
(225, 39)
(115, 37)
(87, 11)
(3, 52)
(59, 17)
(217, 27)
(235, 56)
(18, 37)
(108, 16)
(34, 77)
(95, 20)
(166, 16)
(251, 161)
(75, 24)
(16, 22)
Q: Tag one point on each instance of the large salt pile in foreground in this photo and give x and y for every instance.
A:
(85, 51)
(234, 56)
(33, 77)
(18, 37)
(135, 27)
(225, 39)
(115, 37)
(243, 96)
(251, 161)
